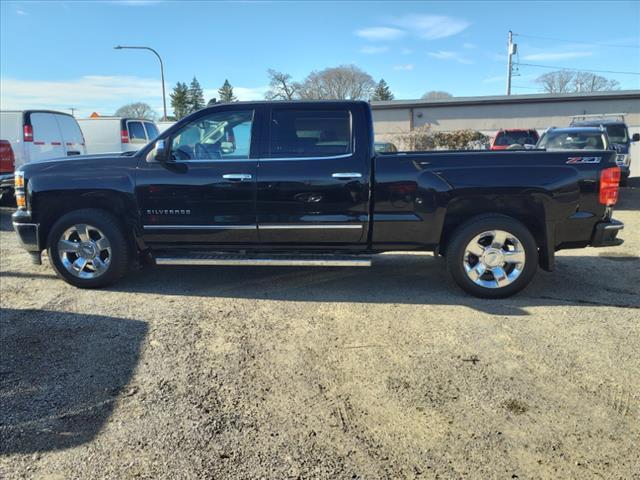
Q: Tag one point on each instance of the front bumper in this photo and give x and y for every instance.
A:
(604, 234)
(28, 234)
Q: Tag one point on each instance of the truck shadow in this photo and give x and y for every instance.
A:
(61, 374)
(629, 198)
(396, 279)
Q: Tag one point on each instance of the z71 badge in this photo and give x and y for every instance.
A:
(574, 160)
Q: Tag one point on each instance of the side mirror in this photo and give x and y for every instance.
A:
(159, 153)
(635, 137)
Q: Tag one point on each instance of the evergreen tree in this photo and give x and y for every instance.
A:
(180, 101)
(196, 96)
(382, 92)
(226, 93)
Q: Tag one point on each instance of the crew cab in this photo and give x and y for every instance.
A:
(299, 183)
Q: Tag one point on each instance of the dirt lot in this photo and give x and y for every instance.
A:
(389, 372)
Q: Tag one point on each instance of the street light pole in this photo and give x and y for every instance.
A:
(164, 99)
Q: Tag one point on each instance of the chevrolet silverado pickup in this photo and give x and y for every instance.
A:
(299, 183)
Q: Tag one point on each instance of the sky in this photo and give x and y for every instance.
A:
(60, 54)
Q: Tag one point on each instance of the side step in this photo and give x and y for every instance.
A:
(274, 260)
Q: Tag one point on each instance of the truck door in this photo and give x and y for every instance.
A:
(206, 193)
(313, 178)
(46, 139)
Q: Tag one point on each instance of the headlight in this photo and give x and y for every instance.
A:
(21, 200)
(622, 159)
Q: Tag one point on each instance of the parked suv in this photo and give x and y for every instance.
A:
(575, 138)
(505, 139)
(618, 134)
(117, 134)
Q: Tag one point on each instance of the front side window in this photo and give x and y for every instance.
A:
(618, 134)
(219, 135)
(310, 133)
(136, 132)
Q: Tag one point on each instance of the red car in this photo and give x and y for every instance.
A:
(517, 136)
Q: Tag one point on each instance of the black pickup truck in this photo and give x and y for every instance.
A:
(299, 183)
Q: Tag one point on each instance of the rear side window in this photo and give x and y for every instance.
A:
(136, 132)
(152, 130)
(310, 133)
(70, 130)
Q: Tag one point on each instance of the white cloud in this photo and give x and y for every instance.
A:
(92, 92)
(380, 33)
(21, 13)
(556, 55)
(407, 66)
(455, 56)
(469, 45)
(371, 50)
(103, 94)
(432, 27)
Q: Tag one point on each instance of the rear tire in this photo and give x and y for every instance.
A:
(492, 256)
(88, 249)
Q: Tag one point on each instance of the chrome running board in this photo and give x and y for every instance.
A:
(267, 260)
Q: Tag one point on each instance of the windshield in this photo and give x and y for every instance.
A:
(572, 141)
(524, 137)
(617, 133)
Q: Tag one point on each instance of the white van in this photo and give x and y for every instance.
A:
(41, 135)
(162, 126)
(117, 134)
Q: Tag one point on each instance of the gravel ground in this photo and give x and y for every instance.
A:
(388, 372)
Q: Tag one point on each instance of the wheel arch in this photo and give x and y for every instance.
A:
(51, 206)
(529, 210)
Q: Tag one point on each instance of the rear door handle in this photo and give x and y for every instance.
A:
(237, 177)
(346, 175)
(72, 152)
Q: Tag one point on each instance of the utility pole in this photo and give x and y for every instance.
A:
(73, 111)
(512, 48)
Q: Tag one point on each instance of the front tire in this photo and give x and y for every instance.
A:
(88, 249)
(492, 256)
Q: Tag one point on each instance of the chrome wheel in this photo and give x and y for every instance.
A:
(494, 259)
(84, 251)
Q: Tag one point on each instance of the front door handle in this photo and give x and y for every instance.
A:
(237, 177)
(346, 175)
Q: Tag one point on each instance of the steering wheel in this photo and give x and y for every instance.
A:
(182, 153)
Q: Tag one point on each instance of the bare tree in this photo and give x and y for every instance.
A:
(436, 95)
(557, 82)
(281, 86)
(137, 110)
(346, 82)
(590, 82)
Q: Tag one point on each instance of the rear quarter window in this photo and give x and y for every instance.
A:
(310, 133)
(136, 132)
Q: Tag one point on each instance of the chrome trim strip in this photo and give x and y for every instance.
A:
(346, 175)
(200, 227)
(307, 227)
(272, 262)
(332, 157)
(237, 176)
(252, 227)
(614, 227)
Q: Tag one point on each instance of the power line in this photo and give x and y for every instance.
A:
(578, 41)
(577, 69)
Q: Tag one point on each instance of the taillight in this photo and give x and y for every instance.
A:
(18, 178)
(7, 160)
(27, 131)
(124, 136)
(609, 186)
